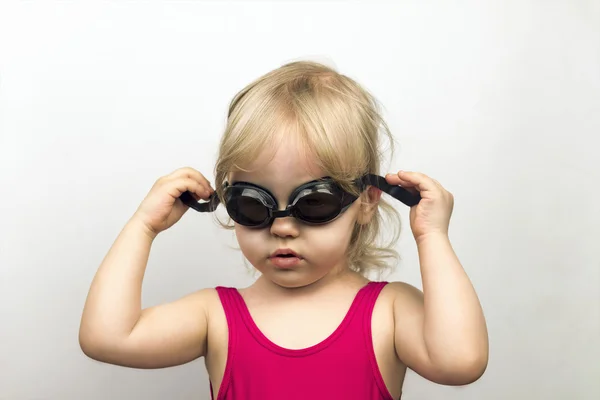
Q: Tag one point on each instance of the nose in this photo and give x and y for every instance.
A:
(285, 227)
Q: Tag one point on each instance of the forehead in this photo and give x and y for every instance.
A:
(281, 167)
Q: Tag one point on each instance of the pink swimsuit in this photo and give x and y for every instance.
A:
(343, 366)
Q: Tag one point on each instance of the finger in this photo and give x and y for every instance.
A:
(395, 179)
(193, 174)
(420, 181)
(179, 186)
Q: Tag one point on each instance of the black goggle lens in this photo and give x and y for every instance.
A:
(248, 206)
(246, 210)
(317, 207)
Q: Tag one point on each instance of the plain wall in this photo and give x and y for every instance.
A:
(498, 100)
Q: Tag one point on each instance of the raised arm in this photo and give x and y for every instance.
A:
(114, 328)
(441, 333)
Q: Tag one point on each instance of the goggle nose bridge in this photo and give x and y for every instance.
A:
(282, 213)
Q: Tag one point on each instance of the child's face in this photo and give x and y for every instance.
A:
(322, 247)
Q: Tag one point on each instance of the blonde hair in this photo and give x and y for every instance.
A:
(336, 120)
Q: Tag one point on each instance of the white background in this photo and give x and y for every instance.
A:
(498, 100)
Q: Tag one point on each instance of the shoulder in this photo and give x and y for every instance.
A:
(402, 289)
(212, 302)
(403, 294)
(396, 296)
(208, 298)
(204, 302)
(208, 295)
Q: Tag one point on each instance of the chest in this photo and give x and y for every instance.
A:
(299, 326)
(292, 327)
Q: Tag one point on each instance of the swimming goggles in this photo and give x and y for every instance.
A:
(314, 203)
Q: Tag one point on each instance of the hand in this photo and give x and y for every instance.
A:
(432, 214)
(162, 208)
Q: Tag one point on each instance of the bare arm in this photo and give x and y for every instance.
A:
(441, 333)
(114, 328)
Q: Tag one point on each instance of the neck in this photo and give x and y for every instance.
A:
(336, 277)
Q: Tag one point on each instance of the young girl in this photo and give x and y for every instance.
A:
(298, 172)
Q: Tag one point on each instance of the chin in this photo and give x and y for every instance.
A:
(290, 279)
(292, 285)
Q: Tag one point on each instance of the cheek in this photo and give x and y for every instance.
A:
(251, 242)
(331, 240)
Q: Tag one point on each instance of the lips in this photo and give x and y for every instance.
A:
(285, 259)
(284, 253)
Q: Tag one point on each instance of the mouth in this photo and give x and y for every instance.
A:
(285, 259)
(285, 253)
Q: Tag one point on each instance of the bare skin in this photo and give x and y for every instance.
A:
(195, 326)
(440, 334)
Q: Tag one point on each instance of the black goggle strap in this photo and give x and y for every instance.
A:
(397, 192)
(207, 206)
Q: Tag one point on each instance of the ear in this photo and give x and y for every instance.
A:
(369, 202)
